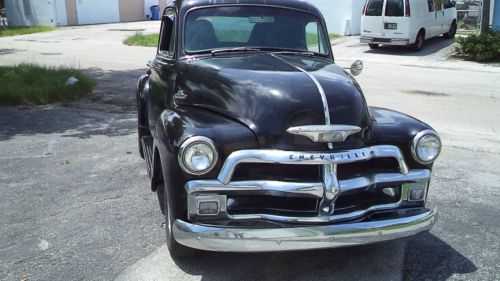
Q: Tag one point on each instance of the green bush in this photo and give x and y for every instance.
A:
(480, 47)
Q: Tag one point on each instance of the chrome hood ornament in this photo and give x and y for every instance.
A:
(325, 133)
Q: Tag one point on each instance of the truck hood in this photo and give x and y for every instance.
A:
(269, 94)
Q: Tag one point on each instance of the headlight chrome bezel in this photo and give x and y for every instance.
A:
(194, 141)
(415, 142)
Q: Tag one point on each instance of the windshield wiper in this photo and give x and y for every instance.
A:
(235, 50)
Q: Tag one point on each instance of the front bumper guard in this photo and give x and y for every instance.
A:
(214, 238)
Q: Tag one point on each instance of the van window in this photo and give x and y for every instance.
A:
(447, 4)
(430, 4)
(438, 5)
(374, 8)
(394, 8)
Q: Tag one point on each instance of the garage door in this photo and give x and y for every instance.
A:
(97, 11)
(131, 10)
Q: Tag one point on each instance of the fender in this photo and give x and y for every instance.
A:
(396, 128)
(178, 124)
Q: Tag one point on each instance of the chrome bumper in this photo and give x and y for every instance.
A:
(386, 41)
(300, 238)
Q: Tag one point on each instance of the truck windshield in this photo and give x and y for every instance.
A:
(217, 28)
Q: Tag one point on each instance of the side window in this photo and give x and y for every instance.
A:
(313, 37)
(439, 5)
(430, 4)
(167, 36)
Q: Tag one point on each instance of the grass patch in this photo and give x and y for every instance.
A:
(40, 85)
(334, 36)
(139, 39)
(20, 30)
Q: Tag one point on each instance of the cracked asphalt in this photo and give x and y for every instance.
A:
(74, 192)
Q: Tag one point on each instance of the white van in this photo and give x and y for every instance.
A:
(407, 22)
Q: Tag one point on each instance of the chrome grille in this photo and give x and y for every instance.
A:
(326, 190)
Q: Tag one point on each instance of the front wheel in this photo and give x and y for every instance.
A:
(419, 42)
(451, 33)
(373, 46)
(171, 214)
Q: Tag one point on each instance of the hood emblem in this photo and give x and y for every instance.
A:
(325, 133)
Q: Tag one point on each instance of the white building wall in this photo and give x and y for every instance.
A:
(34, 12)
(97, 11)
(341, 16)
(61, 17)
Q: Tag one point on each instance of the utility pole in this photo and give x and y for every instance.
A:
(485, 16)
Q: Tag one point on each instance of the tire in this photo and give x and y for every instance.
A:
(419, 42)
(451, 33)
(373, 46)
(171, 214)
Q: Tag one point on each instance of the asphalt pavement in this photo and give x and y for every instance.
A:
(74, 192)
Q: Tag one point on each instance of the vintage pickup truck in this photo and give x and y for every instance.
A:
(255, 140)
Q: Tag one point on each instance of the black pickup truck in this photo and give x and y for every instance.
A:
(255, 140)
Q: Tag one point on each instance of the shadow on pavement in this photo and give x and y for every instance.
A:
(114, 86)
(426, 258)
(109, 110)
(66, 121)
(431, 46)
(9, 51)
(429, 258)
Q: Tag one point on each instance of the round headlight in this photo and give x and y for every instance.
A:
(426, 147)
(197, 155)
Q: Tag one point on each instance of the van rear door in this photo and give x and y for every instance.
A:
(373, 20)
(395, 22)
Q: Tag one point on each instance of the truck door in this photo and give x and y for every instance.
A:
(162, 76)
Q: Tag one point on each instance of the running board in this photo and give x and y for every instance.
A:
(147, 148)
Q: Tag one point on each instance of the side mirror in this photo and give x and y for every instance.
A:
(453, 3)
(357, 68)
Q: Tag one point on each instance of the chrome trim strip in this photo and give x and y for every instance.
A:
(326, 108)
(308, 158)
(269, 187)
(300, 238)
(315, 132)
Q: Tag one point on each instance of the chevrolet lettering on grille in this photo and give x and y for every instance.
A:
(329, 156)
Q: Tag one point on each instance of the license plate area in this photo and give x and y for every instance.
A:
(389, 25)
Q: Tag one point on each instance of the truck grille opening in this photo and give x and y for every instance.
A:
(278, 172)
(364, 200)
(357, 169)
(272, 205)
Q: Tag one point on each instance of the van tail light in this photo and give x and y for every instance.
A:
(407, 8)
